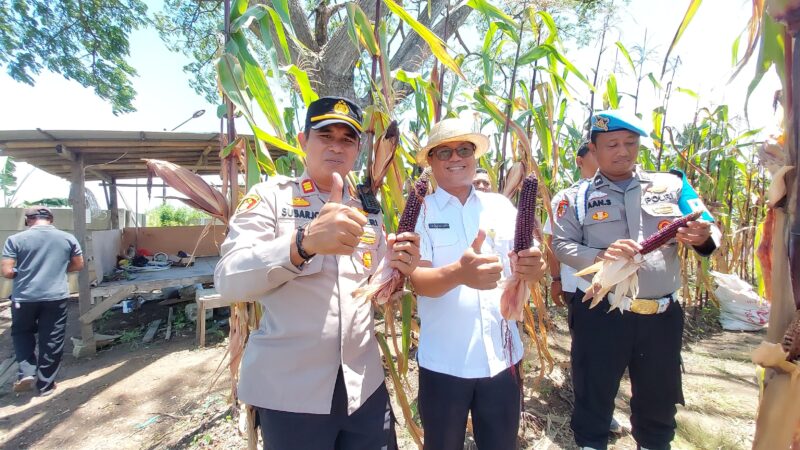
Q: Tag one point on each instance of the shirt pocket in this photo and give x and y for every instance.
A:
(444, 245)
(365, 256)
(657, 216)
(603, 227)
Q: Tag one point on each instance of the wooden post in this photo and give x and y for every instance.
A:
(112, 204)
(79, 217)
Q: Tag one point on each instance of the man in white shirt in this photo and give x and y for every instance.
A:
(468, 355)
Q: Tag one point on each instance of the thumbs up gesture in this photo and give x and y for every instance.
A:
(338, 228)
(476, 270)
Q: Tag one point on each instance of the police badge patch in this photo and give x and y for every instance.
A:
(601, 123)
(248, 202)
(561, 209)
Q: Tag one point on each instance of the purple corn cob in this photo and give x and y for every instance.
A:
(408, 220)
(526, 212)
(661, 237)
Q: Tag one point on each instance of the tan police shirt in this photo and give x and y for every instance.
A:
(311, 325)
(592, 219)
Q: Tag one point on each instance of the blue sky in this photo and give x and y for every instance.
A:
(165, 99)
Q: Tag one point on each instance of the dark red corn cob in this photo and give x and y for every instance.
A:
(526, 213)
(408, 220)
(791, 340)
(661, 237)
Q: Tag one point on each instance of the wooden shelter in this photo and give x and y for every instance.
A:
(108, 156)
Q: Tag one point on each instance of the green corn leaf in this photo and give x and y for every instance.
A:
(258, 86)
(688, 92)
(491, 11)
(281, 7)
(535, 54)
(436, 45)
(406, 314)
(547, 21)
(301, 77)
(611, 92)
(253, 171)
(264, 158)
(275, 142)
(627, 56)
(361, 28)
(233, 83)
(687, 19)
(238, 9)
(655, 83)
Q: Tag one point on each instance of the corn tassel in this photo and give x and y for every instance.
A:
(389, 282)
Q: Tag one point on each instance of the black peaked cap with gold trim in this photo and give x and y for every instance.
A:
(329, 110)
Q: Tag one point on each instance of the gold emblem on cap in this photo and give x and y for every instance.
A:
(341, 108)
(601, 122)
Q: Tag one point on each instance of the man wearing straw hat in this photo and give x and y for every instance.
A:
(466, 362)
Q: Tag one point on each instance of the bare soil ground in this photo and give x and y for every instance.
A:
(164, 394)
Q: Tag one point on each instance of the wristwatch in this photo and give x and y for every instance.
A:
(299, 243)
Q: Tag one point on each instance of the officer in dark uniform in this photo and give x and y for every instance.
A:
(613, 211)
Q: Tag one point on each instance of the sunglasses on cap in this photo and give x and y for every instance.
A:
(465, 150)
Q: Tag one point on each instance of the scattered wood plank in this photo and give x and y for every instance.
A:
(91, 315)
(5, 364)
(169, 324)
(151, 331)
(174, 301)
(11, 371)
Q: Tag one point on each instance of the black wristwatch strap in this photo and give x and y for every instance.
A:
(301, 230)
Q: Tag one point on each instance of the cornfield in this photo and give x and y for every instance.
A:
(521, 88)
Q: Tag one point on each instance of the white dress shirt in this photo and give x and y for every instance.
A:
(569, 282)
(462, 332)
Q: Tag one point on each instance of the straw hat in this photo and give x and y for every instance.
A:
(452, 130)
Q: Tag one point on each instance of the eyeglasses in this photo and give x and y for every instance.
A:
(465, 150)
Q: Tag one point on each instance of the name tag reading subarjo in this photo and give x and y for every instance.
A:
(439, 225)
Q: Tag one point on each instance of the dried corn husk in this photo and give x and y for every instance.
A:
(200, 194)
(384, 150)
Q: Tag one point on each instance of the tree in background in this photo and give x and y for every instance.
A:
(8, 181)
(85, 41)
(171, 216)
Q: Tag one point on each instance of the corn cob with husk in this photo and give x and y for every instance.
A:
(514, 178)
(383, 154)
(200, 194)
(389, 282)
(516, 292)
(621, 274)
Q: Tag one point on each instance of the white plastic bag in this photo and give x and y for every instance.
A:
(741, 308)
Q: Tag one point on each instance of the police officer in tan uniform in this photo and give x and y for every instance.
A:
(610, 213)
(301, 246)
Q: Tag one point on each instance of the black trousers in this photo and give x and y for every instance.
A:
(371, 427)
(603, 346)
(48, 320)
(495, 403)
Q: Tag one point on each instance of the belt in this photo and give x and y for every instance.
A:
(645, 306)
